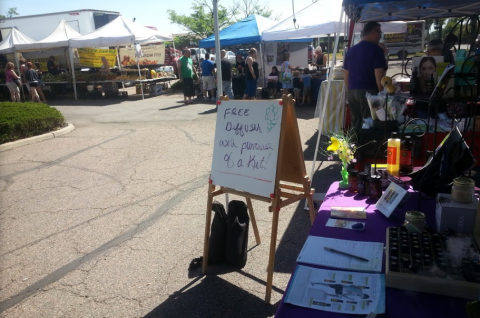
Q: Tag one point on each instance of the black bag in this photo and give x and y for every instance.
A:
(265, 93)
(237, 234)
(218, 236)
(18, 82)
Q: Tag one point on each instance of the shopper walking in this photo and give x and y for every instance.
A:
(185, 65)
(364, 67)
(226, 75)
(13, 81)
(31, 76)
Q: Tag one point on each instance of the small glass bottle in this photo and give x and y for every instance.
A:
(406, 155)
(375, 185)
(430, 84)
(414, 221)
(362, 183)
(353, 180)
(463, 190)
(414, 81)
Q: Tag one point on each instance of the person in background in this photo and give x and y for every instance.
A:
(32, 77)
(105, 65)
(297, 86)
(226, 75)
(426, 68)
(240, 64)
(23, 69)
(319, 59)
(185, 67)
(40, 83)
(450, 41)
(307, 85)
(251, 75)
(287, 68)
(274, 85)
(435, 47)
(364, 67)
(52, 68)
(12, 77)
(208, 81)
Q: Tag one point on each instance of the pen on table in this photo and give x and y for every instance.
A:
(346, 254)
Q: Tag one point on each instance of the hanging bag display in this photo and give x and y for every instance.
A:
(237, 234)
(285, 74)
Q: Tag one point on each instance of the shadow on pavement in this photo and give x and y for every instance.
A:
(211, 296)
(210, 111)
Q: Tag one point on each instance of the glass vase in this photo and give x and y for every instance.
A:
(344, 183)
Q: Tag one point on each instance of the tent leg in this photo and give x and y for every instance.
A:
(72, 69)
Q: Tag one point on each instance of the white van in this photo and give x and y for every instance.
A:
(197, 55)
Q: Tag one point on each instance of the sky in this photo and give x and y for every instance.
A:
(146, 12)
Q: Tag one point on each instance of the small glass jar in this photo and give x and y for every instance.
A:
(375, 185)
(463, 190)
(353, 180)
(415, 221)
(362, 183)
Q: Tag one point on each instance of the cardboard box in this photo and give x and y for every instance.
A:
(459, 217)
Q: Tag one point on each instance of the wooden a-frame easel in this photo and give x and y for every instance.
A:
(291, 169)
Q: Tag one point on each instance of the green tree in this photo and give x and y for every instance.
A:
(200, 24)
(244, 8)
(10, 13)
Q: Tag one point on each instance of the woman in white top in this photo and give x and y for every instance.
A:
(12, 77)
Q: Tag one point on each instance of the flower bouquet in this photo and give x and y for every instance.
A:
(341, 145)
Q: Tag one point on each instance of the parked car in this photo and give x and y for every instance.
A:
(197, 55)
(231, 57)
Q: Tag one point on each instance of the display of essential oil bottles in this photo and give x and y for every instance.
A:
(393, 155)
(414, 81)
(430, 84)
(406, 155)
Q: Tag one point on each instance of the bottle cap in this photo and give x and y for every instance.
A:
(352, 172)
(395, 135)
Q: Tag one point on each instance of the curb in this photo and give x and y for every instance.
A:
(32, 140)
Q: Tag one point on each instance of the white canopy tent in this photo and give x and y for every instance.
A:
(311, 22)
(118, 32)
(13, 39)
(58, 38)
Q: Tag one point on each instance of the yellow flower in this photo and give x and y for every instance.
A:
(334, 145)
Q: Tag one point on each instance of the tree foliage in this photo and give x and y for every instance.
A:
(244, 8)
(10, 13)
(200, 24)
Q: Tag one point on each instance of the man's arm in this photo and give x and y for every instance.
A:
(250, 67)
(179, 67)
(379, 74)
(345, 79)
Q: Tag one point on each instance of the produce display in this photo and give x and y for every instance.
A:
(125, 75)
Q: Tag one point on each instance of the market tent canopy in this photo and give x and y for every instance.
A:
(13, 39)
(58, 38)
(248, 30)
(386, 10)
(314, 21)
(387, 27)
(119, 32)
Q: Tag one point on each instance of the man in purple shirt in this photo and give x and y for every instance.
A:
(364, 67)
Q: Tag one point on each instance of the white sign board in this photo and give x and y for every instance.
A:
(245, 152)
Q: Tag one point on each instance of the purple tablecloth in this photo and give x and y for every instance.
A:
(399, 303)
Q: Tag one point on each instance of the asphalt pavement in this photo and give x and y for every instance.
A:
(107, 220)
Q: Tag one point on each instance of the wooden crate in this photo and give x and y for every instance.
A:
(433, 285)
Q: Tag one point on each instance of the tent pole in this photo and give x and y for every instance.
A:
(120, 65)
(326, 95)
(263, 64)
(218, 58)
(138, 67)
(72, 69)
